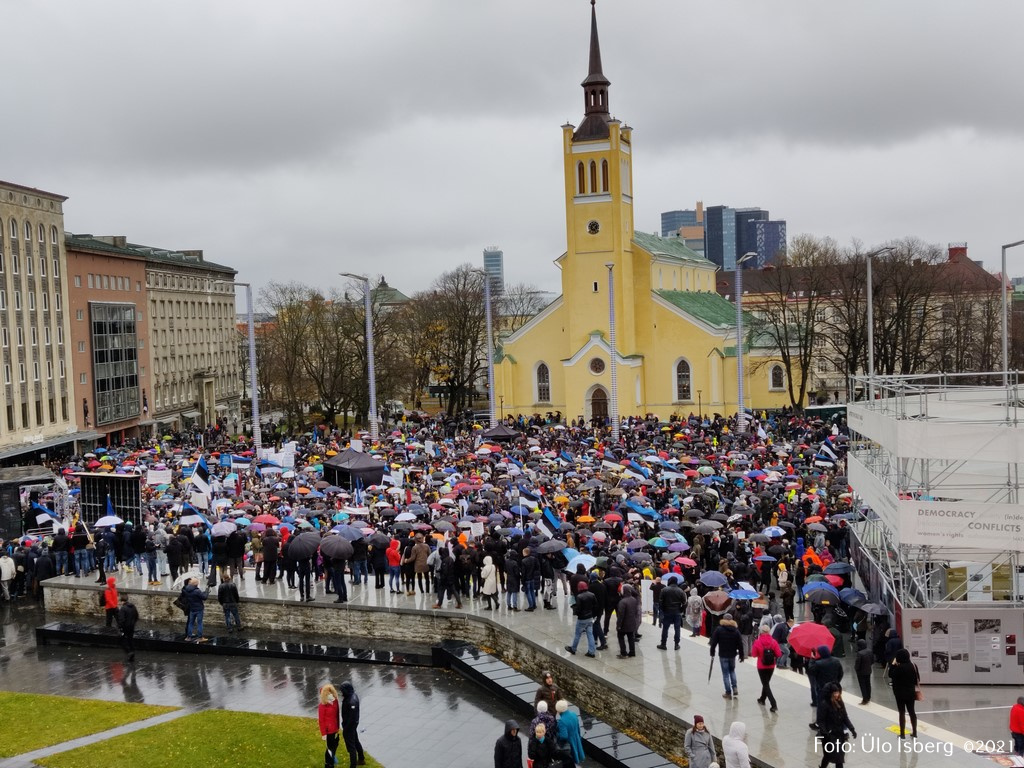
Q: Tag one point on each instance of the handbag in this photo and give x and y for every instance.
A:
(181, 604)
(918, 693)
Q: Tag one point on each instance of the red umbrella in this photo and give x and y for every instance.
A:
(805, 638)
(613, 517)
(835, 581)
(686, 561)
(813, 519)
(266, 519)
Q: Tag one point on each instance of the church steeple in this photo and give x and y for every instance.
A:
(595, 90)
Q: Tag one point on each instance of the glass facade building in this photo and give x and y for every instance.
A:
(494, 268)
(720, 236)
(673, 221)
(115, 364)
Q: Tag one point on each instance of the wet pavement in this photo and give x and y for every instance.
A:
(675, 681)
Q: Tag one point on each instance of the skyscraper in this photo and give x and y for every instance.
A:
(494, 267)
(720, 236)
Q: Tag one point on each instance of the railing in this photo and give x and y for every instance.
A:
(926, 396)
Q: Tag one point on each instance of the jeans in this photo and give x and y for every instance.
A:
(110, 561)
(339, 583)
(62, 563)
(784, 660)
(81, 562)
(584, 626)
(728, 673)
(530, 587)
(204, 562)
(151, 566)
(359, 572)
(1018, 743)
(512, 599)
(194, 625)
(231, 612)
(395, 577)
(674, 620)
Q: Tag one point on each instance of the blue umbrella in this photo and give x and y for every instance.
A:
(816, 585)
(587, 561)
(658, 542)
(348, 532)
(670, 577)
(519, 509)
(744, 594)
(243, 522)
(713, 579)
(765, 558)
(838, 569)
(852, 596)
(774, 532)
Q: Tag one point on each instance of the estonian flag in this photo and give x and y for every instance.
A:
(826, 453)
(110, 507)
(43, 514)
(240, 462)
(548, 524)
(201, 476)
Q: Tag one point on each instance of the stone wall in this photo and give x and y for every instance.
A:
(658, 729)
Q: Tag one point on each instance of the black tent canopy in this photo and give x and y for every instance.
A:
(351, 466)
(500, 432)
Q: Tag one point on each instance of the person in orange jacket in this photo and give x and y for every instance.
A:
(109, 600)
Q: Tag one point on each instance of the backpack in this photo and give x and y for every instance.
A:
(768, 656)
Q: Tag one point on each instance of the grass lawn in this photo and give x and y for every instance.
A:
(212, 739)
(31, 721)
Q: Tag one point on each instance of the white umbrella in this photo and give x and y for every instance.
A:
(107, 521)
(179, 582)
(404, 517)
(223, 528)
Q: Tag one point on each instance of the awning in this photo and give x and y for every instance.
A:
(222, 409)
(52, 442)
(147, 423)
(190, 414)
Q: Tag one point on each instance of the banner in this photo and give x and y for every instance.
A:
(159, 477)
(974, 524)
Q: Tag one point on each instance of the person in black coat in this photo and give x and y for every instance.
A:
(350, 724)
(508, 749)
(821, 671)
(627, 620)
(127, 618)
(173, 551)
(271, 548)
(543, 749)
(862, 667)
(673, 599)
(599, 590)
(529, 574)
(729, 642)
(904, 676)
(45, 569)
(833, 722)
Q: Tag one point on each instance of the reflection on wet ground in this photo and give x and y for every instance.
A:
(410, 715)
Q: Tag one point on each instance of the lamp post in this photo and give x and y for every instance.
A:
(613, 353)
(491, 410)
(254, 395)
(371, 373)
(1006, 322)
(741, 416)
(871, 322)
(700, 414)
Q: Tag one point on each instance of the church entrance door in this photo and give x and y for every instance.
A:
(599, 405)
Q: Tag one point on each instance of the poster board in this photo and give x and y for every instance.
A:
(970, 646)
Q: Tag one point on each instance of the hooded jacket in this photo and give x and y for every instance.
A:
(110, 594)
(728, 640)
(586, 604)
(349, 707)
(627, 611)
(393, 553)
(508, 749)
(865, 658)
(489, 577)
(826, 668)
(734, 746)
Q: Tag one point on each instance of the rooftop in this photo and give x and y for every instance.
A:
(673, 247)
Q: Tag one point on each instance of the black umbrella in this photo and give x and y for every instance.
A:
(551, 545)
(443, 525)
(379, 540)
(349, 532)
(838, 568)
(304, 545)
(336, 547)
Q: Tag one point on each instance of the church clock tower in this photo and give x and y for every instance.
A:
(599, 214)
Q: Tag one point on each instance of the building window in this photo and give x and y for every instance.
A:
(79, 315)
(14, 230)
(46, 302)
(17, 300)
(49, 369)
(35, 371)
(46, 335)
(597, 365)
(42, 266)
(56, 302)
(78, 281)
(21, 336)
(3, 299)
(6, 337)
(21, 371)
(28, 232)
(604, 175)
(593, 176)
(81, 346)
(34, 335)
(15, 263)
(53, 235)
(778, 377)
(114, 361)
(543, 384)
(56, 270)
(684, 391)
(90, 280)
(62, 369)
(60, 334)
(32, 301)
(82, 379)
(581, 179)
(7, 373)
(1, 253)
(28, 265)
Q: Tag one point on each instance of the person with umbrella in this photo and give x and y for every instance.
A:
(729, 642)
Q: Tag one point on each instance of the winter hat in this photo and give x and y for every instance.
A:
(727, 617)
(698, 719)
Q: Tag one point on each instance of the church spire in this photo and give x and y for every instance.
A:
(595, 90)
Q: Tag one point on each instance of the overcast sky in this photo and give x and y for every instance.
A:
(298, 140)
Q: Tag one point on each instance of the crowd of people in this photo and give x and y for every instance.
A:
(726, 529)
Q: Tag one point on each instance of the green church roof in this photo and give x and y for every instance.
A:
(710, 307)
(666, 246)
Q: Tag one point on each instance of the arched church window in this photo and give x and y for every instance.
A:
(778, 377)
(581, 179)
(683, 389)
(604, 175)
(543, 384)
(593, 177)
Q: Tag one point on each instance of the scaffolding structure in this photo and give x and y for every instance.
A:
(935, 463)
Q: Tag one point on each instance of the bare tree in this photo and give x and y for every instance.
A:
(517, 305)
(287, 339)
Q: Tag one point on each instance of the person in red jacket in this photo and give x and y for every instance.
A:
(767, 652)
(110, 602)
(394, 567)
(330, 720)
(1017, 726)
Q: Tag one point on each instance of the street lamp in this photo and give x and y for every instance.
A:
(700, 414)
(613, 353)
(371, 373)
(741, 416)
(1006, 334)
(871, 321)
(492, 412)
(254, 399)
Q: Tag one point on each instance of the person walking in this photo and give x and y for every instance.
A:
(7, 574)
(195, 599)
(821, 671)
(734, 746)
(729, 642)
(547, 690)
(833, 723)
(489, 583)
(330, 723)
(227, 596)
(672, 601)
(350, 725)
(694, 610)
(542, 750)
(127, 618)
(627, 621)
(767, 652)
(699, 744)
(508, 748)
(586, 609)
(862, 667)
(905, 679)
(1017, 726)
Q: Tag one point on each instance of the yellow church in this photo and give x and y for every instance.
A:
(674, 335)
